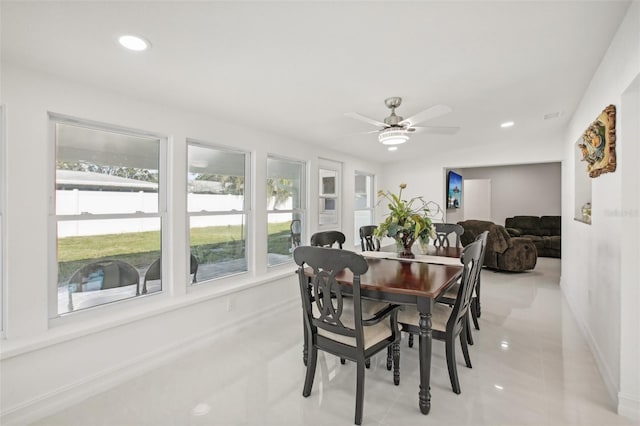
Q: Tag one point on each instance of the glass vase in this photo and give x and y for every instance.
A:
(403, 248)
(423, 243)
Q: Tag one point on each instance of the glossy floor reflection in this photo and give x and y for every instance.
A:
(531, 366)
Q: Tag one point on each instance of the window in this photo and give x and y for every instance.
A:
(108, 213)
(364, 213)
(217, 202)
(285, 208)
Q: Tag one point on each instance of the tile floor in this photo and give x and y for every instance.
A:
(531, 366)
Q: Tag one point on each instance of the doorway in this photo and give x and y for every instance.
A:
(477, 199)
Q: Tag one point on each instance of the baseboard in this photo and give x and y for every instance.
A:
(605, 373)
(629, 406)
(75, 393)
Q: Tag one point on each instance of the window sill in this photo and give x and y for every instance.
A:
(64, 329)
(588, 222)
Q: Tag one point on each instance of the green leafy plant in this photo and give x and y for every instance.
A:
(407, 220)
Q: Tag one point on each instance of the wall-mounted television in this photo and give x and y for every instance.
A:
(454, 190)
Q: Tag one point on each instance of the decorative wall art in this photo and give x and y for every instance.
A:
(598, 143)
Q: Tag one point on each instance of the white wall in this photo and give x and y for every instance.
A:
(629, 289)
(47, 364)
(593, 256)
(527, 189)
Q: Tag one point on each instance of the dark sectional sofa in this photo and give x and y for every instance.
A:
(543, 231)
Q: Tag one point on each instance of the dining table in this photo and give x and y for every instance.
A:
(419, 282)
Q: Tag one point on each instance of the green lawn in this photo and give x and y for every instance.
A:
(112, 245)
(209, 245)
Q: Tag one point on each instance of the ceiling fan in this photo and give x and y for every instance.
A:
(396, 129)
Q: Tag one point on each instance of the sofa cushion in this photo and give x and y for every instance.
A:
(550, 225)
(527, 225)
(552, 242)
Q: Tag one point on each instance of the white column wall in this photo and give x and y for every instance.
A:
(629, 394)
(592, 256)
(47, 364)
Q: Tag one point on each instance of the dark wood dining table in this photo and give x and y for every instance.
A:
(411, 282)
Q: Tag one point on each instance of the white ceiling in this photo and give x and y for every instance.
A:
(294, 68)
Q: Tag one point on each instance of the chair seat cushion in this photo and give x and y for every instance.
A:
(372, 334)
(371, 307)
(452, 292)
(439, 316)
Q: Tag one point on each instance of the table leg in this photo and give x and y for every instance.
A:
(425, 340)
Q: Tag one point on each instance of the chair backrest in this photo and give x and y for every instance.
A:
(193, 268)
(102, 275)
(322, 301)
(484, 236)
(367, 241)
(154, 271)
(296, 232)
(328, 239)
(471, 263)
(444, 230)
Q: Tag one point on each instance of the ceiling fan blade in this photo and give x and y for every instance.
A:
(427, 114)
(437, 130)
(365, 119)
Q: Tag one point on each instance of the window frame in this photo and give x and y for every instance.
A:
(246, 207)
(372, 202)
(54, 218)
(3, 247)
(300, 211)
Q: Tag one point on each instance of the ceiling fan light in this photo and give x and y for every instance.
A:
(393, 136)
(133, 42)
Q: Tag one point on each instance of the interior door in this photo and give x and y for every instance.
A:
(477, 199)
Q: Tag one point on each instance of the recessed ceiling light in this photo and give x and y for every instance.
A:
(134, 43)
(392, 148)
(507, 124)
(201, 409)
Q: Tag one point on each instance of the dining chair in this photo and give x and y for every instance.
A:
(324, 239)
(444, 230)
(328, 239)
(368, 242)
(102, 275)
(340, 325)
(451, 322)
(154, 272)
(451, 294)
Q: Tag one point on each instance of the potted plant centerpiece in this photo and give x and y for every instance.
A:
(407, 221)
